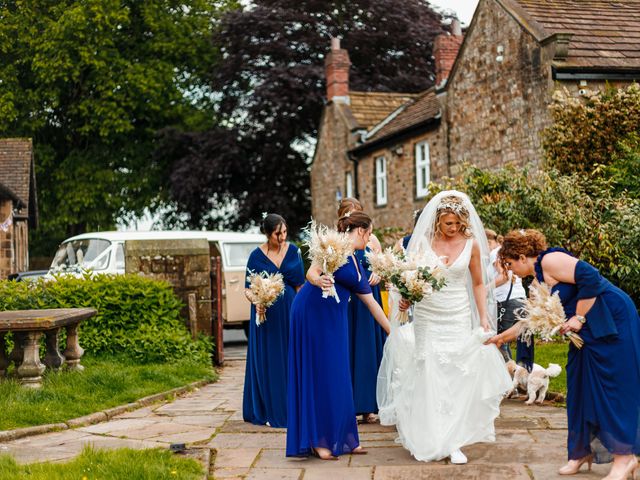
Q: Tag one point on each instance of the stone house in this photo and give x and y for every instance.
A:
(18, 204)
(488, 107)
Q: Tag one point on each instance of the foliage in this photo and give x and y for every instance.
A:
(272, 84)
(577, 212)
(92, 82)
(106, 382)
(136, 315)
(150, 464)
(592, 131)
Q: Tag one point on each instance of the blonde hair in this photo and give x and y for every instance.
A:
(454, 205)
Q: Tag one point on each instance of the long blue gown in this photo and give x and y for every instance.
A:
(366, 344)
(320, 398)
(603, 377)
(265, 380)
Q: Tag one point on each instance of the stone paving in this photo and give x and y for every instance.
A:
(530, 442)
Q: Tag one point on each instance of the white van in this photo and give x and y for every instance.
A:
(103, 252)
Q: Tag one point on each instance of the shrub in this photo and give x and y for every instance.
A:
(136, 315)
(580, 213)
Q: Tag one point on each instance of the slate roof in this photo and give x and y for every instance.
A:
(605, 34)
(17, 173)
(370, 108)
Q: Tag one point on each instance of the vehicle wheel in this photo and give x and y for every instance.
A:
(245, 327)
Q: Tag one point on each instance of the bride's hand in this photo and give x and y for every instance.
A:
(404, 305)
(485, 325)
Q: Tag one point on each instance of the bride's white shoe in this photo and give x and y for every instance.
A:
(458, 457)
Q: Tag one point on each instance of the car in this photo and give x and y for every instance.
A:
(28, 276)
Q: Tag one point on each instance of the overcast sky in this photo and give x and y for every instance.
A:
(464, 8)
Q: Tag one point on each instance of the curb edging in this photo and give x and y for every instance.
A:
(98, 417)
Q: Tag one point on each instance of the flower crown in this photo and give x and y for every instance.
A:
(456, 207)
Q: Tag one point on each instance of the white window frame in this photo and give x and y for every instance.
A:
(423, 163)
(381, 180)
(348, 181)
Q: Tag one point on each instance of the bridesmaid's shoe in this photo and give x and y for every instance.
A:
(359, 451)
(632, 466)
(323, 456)
(458, 458)
(573, 466)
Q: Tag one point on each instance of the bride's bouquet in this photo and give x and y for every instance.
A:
(404, 272)
(543, 314)
(264, 289)
(329, 249)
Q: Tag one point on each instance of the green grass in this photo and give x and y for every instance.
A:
(106, 382)
(546, 353)
(107, 465)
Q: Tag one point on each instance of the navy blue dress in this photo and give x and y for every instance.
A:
(319, 394)
(366, 344)
(265, 379)
(603, 377)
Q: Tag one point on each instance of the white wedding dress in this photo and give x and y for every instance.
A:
(438, 383)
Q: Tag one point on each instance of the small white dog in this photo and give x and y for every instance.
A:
(535, 383)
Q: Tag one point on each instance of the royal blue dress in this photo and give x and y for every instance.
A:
(265, 380)
(603, 377)
(319, 394)
(366, 344)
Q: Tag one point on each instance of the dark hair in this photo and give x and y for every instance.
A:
(349, 204)
(416, 216)
(270, 223)
(355, 219)
(529, 243)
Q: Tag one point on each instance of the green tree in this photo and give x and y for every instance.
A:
(92, 82)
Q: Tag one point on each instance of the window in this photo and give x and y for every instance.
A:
(381, 181)
(422, 169)
(348, 184)
(237, 254)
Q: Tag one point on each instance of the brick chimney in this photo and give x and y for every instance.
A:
(336, 68)
(445, 51)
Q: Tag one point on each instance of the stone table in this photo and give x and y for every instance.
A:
(27, 327)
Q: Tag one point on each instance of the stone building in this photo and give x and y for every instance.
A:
(489, 105)
(18, 204)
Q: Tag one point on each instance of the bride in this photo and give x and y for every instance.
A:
(438, 383)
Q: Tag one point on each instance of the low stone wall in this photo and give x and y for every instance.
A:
(183, 263)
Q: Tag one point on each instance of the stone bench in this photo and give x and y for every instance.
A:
(27, 327)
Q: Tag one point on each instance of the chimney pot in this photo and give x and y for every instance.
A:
(335, 43)
(456, 29)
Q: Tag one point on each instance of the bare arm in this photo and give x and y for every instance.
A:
(560, 267)
(374, 244)
(376, 310)
(315, 277)
(479, 290)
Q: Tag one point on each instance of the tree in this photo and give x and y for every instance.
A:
(271, 82)
(92, 82)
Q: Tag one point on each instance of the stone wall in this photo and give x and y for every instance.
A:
(497, 110)
(330, 164)
(184, 264)
(401, 179)
(7, 255)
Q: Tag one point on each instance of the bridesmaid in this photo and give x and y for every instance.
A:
(265, 381)
(366, 337)
(320, 405)
(603, 377)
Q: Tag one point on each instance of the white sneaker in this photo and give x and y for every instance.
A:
(458, 457)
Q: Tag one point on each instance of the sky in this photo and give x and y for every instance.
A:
(464, 8)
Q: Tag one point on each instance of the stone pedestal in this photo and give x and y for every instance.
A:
(4, 360)
(53, 359)
(74, 351)
(30, 370)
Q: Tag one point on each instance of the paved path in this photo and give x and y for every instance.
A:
(530, 442)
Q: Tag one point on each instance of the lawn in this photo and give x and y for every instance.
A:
(106, 382)
(119, 464)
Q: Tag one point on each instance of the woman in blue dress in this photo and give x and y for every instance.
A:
(366, 336)
(320, 409)
(265, 381)
(603, 377)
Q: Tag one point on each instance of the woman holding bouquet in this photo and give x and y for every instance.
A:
(366, 336)
(603, 377)
(265, 382)
(321, 413)
(450, 384)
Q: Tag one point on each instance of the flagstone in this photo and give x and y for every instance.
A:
(273, 474)
(199, 435)
(339, 473)
(448, 472)
(238, 440)
(383, 456)
(121, 425)
(236, 458)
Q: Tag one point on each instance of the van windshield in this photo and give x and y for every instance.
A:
(90, 253)
(238, 253)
